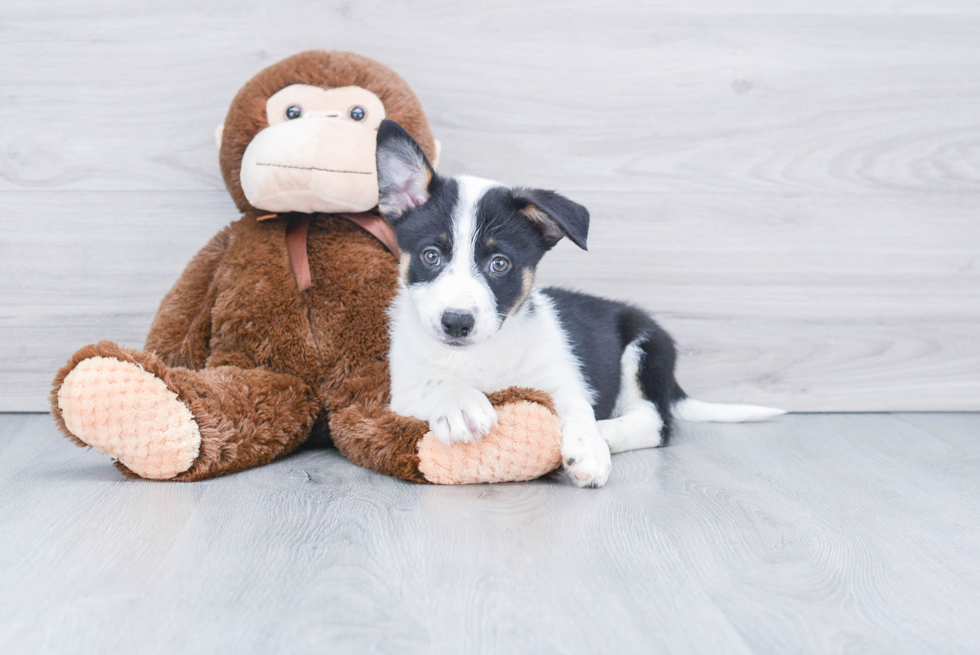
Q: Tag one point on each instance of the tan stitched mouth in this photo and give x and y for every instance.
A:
(314, 168)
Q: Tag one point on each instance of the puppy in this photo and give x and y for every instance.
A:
(468, 320)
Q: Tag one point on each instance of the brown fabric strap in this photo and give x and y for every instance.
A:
(379, 228)
(299, 227)
(296, 231)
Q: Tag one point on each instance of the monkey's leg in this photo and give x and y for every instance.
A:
(524, 445)
(167, 423)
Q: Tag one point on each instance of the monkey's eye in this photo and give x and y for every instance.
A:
(432, 257)
(357, 114)
(499, 264)
(293, 111)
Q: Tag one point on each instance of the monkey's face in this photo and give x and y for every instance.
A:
(317, 153)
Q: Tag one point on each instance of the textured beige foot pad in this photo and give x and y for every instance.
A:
(525, 444)
(122, 410)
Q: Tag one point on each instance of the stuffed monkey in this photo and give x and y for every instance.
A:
(277, 329)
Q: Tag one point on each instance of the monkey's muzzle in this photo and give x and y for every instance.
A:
(315, 164)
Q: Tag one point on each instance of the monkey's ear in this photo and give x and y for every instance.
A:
(404, 173)
(218, 133)
(555, 216)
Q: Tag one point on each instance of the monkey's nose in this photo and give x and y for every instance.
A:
(323, 113)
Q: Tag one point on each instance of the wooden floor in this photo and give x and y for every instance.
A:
(813, 533)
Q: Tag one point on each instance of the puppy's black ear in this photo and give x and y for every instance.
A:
(555, 215)
(404, 174)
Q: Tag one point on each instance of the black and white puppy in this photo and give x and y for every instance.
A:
(468, 319)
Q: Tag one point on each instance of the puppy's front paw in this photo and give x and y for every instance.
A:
(586, 458)
(462, 415)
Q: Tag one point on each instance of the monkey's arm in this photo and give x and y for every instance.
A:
(181, 330)
(525, 443)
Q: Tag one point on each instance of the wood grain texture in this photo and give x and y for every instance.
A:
(809, 534)
(792, 189)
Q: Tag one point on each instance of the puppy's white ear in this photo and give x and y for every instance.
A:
(555, 216)
(404, 174)
(218, 133)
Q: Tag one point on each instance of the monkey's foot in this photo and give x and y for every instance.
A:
(124, 411)
(525, 444)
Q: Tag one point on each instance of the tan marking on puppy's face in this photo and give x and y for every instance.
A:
(527, 282)
(527, 276)
(403, 265)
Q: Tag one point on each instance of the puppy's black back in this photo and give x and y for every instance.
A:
(599, 330)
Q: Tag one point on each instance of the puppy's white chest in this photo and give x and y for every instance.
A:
(490, 366)
(529, 350)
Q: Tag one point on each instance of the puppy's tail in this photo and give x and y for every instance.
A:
(689, 409)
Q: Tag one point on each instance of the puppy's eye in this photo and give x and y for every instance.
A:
(357, 114)
(431, 257)
(293, 111)
(499, 264)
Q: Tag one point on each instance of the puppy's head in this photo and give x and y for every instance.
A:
(469, 246)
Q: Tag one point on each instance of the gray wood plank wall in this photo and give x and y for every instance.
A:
(793, 188)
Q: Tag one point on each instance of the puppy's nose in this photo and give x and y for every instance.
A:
(457, 324)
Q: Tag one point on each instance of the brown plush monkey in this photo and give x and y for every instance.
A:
(277, 329)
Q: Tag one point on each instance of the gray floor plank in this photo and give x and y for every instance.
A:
(810, 534)
(960, 430)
